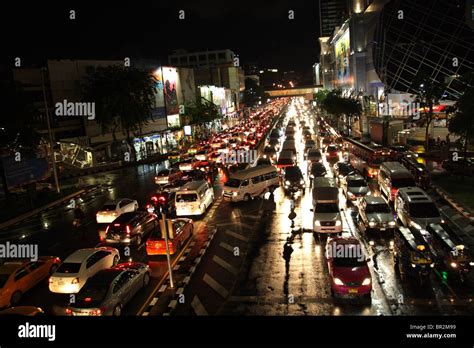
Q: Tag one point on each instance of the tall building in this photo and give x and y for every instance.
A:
(331, 14)
(201, 59)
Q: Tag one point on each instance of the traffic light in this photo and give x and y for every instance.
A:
(444, 276)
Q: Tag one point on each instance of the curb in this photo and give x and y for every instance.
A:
(24, 216)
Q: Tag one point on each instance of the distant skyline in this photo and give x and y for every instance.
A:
(258, 31)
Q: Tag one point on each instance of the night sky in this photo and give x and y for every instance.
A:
(259, 31)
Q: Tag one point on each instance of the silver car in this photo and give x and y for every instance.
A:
(110, 290)
(376, 220)
(354, 186)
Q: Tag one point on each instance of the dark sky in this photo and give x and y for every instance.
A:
(258, 30)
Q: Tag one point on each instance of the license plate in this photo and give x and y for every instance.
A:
(382, 228)
(353, 291)
(117, 237)
(81, 314)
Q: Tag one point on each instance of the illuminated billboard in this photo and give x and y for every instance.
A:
(342, 52)
(170, 90)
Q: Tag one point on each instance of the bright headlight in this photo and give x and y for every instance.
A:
(311, 176)
(301, 181)
(454, 265)
(392, 223)
(414, 224)
(337, 281)
(372, 223)
(366, 281)
(317, 223)
(338, 223)
(350, 194)
(287, 182)
(234, 194)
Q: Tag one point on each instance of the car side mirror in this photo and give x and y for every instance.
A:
(368, 259)
(311, 210)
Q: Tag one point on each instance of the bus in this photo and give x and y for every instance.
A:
(366, 158)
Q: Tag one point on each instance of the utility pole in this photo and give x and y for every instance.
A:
(165, 231)
(51, 143)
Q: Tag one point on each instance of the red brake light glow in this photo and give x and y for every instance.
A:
(127, 228)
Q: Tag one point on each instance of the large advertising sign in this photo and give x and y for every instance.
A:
(342, 49)
(158, 110)
(170, 90)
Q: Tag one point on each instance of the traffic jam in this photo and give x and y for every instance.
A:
(365, 200)
(102, 279)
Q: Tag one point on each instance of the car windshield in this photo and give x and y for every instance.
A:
(348, 261)
(109, 207)
(314, 153)
(357, 183)
(310, 143)
(346, 169)
(403, 182)
(293, 172)
(332, 148)
(164, 172)
(3, 279)
(318, 169)
(326, 208)
(377, 208)
(423, 210)
(186, 197)
(69, 267)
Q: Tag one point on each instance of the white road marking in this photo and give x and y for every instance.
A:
(226, 247)
(227, 266)
(236, 235)
(198, 306)
(215, 286)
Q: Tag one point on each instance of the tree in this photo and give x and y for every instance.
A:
(429, 91)
(124, 98)
(19, 120)
(350, 107)
(253, 93)
(320, 96)
(201, 112)
(462, 123)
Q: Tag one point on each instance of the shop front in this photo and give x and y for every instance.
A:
(158, 143)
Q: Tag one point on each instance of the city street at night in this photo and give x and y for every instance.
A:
(215, 170)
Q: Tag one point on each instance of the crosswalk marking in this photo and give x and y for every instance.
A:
(225, 265)
(198, 306)
(236, 235)
(215, 285)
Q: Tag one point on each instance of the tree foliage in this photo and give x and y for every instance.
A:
(428, 93)
(462, 123)
(124, 98)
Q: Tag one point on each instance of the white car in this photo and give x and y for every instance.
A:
(112, 210)
(82, 264)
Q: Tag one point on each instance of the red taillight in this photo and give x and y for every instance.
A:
(154, 198)
(50, 280)
(162, 199)
(127, 228)
(394, 192)
(68, 311)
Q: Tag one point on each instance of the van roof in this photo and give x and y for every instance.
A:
(396, 168)
(250, 172)
(324, 182)
(192, 185)
(414, 194)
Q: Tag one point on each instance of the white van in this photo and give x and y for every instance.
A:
(248, 183)
(194, 198)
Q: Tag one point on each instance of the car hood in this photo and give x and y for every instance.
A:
(351, 274)
(380, 217)
(328, 216)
